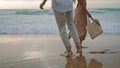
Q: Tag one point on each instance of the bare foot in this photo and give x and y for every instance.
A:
(68, 53)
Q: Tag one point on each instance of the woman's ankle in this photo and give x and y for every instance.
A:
(79, 49)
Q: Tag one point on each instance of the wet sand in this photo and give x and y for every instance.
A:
(44, 51)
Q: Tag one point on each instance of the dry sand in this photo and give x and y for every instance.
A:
(44, 51)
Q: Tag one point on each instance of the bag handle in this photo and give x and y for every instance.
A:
(84, 9)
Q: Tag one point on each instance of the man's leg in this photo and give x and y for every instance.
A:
(73, 30)
(61, 22)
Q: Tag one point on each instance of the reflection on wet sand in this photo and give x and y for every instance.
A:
(80, 62)
(33, 55)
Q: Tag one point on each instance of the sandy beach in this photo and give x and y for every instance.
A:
(46, 51)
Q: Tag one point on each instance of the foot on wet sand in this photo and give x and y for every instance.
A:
(68, 53)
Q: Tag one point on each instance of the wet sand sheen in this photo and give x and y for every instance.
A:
(43, 51)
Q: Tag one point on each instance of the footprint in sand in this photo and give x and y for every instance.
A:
(106, 51)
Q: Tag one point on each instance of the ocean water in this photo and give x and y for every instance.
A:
(33, 21)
